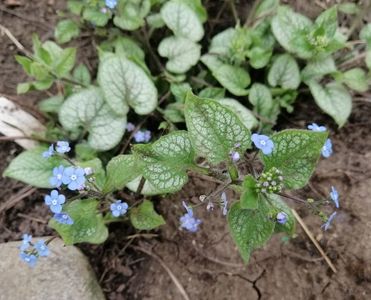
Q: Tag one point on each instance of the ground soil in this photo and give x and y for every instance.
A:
(207, 263)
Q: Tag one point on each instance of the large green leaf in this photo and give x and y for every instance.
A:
(182, 53)
(250, 228)
(214, 129)
(246, 116)
(144, 217)
(130, 14)
(261, 97)
(120, 171)
(284, 72)
(295, 154)
(234, 79)
(125, 84)
(31, 168)
(182, 20)
(88, 225)
(87, 109)
(66, 30)
(333, 99)
(356, 79)
(327, 22)
(288, 27)
(165, 162)
(317, 68)
(221, 43)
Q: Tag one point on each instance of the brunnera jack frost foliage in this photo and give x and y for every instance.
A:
(216, 115)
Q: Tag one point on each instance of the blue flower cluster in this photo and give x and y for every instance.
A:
(61, 147)
(327, 147)
(188, 221)
(29, 252)
(111, 3)
(55, 201)
(73, 177)
(141, 136)
(263, 143)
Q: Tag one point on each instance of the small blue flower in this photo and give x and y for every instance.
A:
(74, 177)
(327, 148)
(30, 259)
(130, 127)
(63, 218)
(119, 208)
(281, 217)
(111, 3)
(55, 201)
(56, 179)
(41, 248)
(235, 156)
(25, 242)
(63, 147)
(142, 136)
(224, 202)
(189, 222)
(335, 196)
(263, 142)
(48, 153)
(328, 222)
(315, 127)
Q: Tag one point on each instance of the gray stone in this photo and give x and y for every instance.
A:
(64, 275)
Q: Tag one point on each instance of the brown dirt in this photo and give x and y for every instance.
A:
(207, 263)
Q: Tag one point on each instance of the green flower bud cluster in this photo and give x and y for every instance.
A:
(270, 181)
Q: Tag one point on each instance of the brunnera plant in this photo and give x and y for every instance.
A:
(154, 61)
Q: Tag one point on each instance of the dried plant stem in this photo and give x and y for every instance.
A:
(314, 241)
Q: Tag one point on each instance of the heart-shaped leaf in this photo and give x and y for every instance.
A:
(182, 53)
(125, 84)
(87, 109)
(284, 72)
(144, 217)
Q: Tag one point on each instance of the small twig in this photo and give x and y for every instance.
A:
(141, 235)
(140, 186)
(167, 269)
(205, 177)
(314, 241)
(6, 31)
(23, 193)
(292, 198)
(234, 11)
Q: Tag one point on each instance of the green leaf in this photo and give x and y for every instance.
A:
(31, 168)
(245, 115)
(259, 57)
(180, 90)
(81, 74)
(198, 8)
(84, 152)
(221, 43)
(51, 105)
(182, 54)
(368, 59)
(212, 93)
(39, 71)
(266, 8)
(284, 72)
(25, 62)
(260, 96)
(348, 8)
(356, 79)
(280, 206)
(249, 197)
(43, 85)
(327, 22)
(128, 47)
(365, 34)
(41, 53)
(155, 21)
(250, 229)
(75, 6)
(165, 162)
(87, 109)
(288, 27)
(295, 154)
(130, 14)
(95, 16)
(317, 68)
(144, 217)
(53, 51)
(121, 170)
(234, 79)
(66, 30)
(88, 225)
(182, 20)
(23, 87)
(214, 129)
(333, 99)
(125, 84)
(65, 62)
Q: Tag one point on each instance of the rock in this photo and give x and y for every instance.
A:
(64, 275)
